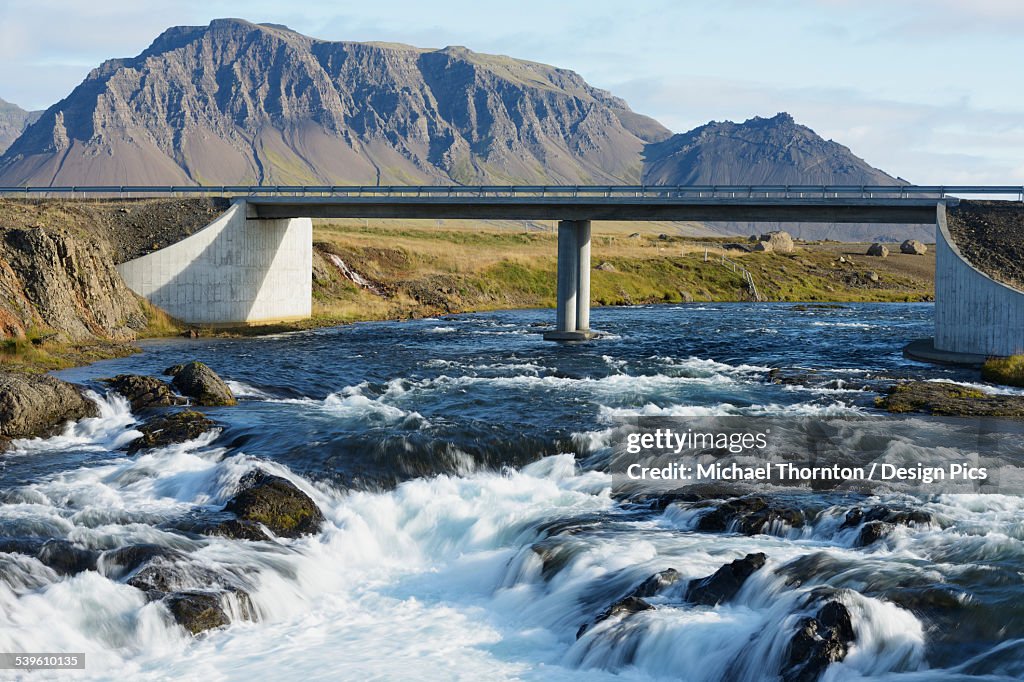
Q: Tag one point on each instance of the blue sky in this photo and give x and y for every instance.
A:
(930, 90)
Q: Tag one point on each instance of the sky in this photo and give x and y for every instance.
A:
(929, 90)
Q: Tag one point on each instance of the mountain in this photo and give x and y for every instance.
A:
(236, 102)
(771, 151)
(13, 120)
(759, 151)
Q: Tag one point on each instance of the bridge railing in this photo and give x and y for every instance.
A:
(609, 192)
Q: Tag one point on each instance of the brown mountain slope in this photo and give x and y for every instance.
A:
(235, 102)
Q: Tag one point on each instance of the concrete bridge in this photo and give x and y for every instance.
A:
(253, 264)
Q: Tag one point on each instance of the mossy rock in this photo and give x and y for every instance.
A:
(197, 611)
(948, 399)
(276, 503)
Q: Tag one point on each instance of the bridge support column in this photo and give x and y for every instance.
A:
(573, 314)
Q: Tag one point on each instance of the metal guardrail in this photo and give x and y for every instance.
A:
(683, 192)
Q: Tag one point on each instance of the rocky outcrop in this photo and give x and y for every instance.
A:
(59, 279)
(819, 642)
(949, 399)
(201, 383)
(913, 247)
(178, 427)
(723, 584)
(275, 503)
(38, 404)
(62, 556)
(144, 392)
(878, 250)
(656, 583)
(777, 241)
(879, 521)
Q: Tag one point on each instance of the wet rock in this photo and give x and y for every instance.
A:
(38, 404)
(880, 520)
(61, 556)
(725, 583)
(656, 583)
(750, 516)
(913, 247)
(276, 503)
(818, 642)
(197, 611)
(201, 383)
(949, 399)
(173, 428)
(237, 529)
(878, 250)
(116, 563)
(624, 608)
(66, 558)
(144, 392)
(872, 532)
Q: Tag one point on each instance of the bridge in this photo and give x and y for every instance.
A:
(254, 263)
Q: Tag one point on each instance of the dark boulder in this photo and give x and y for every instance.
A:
(144, 392)
(624, 608)
(872, 532)
(276, 503)
(750, 516)
(38, 405)
(818, 642)
(879, 521)
(62, 556)
(656, 583)
(200, 383)
(66, 558)
(116, 563)
(723, 584)
(197, 611)
(173, 428)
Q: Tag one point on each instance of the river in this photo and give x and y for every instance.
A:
(445, 452)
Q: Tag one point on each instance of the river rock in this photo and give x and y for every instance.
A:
(62, 556)
(723, 584)
(38, 404)
(276, 503)
(819, 642)
(197, 611)
(879, 250)
(879, 521)
(777, 241)
(201, 383)
(949, 399)
(144, 392)
(121, 561)
(913, 247)
(623, 608)
(656, 583)
(750, 516)
(169, 429)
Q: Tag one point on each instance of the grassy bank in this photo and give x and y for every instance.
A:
(425, 269)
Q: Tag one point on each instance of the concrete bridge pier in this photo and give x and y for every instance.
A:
(573, 315)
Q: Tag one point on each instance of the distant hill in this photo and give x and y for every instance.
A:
(771, 151)
(759, 151)
(236, 102)
(13, 120)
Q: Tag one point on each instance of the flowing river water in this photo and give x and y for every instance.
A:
(471, 525)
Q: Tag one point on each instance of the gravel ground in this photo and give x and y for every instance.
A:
(990, 234)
